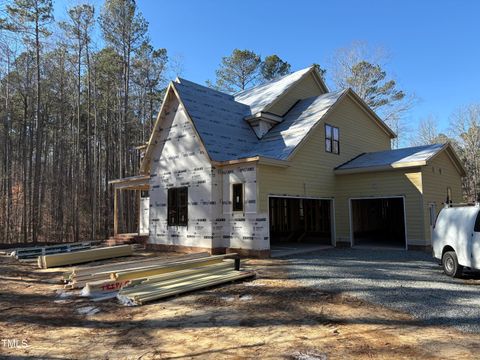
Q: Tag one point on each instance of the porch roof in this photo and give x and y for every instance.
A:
(138, 182)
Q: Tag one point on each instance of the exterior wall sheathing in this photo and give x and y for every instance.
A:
(180, 160)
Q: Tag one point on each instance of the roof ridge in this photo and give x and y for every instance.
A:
(186, 82)
(407, 147)
(269, 82)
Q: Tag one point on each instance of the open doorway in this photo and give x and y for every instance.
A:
(378, 222)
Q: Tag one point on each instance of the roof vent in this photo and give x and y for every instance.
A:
(262, 122)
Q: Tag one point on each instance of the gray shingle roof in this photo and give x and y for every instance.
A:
(392, 158)
(220, 122)
(282, 139)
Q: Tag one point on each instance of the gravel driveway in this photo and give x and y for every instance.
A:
(407, 281)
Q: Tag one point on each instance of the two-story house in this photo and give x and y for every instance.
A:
(286, 161)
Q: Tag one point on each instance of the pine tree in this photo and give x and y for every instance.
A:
(238, 71)
(31, 18)
(273, 67)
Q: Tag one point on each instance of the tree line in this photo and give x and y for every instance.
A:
(74, 108)
(72, 114)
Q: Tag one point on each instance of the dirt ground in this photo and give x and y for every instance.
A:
(271, 317)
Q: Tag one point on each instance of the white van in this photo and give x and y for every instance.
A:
(456, 238)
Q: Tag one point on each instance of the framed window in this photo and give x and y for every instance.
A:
(332, 139)
(237, 197)
(177, 206)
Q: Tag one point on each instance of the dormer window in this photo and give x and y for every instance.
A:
(332, 142)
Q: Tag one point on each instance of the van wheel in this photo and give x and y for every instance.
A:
(450, 264)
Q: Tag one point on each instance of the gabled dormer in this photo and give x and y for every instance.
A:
(269, 102)
(261, 122)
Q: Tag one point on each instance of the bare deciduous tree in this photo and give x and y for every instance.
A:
(465, 129)
(362, 68)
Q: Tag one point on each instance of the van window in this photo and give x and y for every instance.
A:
(477, 223)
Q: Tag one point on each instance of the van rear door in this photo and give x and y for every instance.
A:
(475, 244)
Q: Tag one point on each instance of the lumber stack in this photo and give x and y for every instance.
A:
(178, 279)
(84, 256)
(144, 272)
(35, 251)
(98, 278)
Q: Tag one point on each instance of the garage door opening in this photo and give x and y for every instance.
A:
(300, 221)
(378, 222)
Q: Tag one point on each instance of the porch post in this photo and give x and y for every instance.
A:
(139, 208)
(115, 211)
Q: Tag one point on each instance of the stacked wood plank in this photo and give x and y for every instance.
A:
(98, 278)
(79, 257)
(34, 251)
(178, 278)
(143, 272)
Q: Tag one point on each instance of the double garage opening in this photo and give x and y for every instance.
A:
(378, 222)
(373, 221)
(300, 221)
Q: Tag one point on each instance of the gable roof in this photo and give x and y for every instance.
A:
(219, 119)
(227, 136)
(282, 139)
(397, 158)
(260, 98)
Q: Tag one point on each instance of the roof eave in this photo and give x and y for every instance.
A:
(145, 163)
(259, 159)
(395, 166)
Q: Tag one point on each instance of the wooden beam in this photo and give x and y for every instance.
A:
(139, 209)
(115, 211)
(143, 272)
(79, 257)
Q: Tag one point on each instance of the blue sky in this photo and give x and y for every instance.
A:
(434, 46)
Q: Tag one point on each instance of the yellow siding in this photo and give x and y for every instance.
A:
(311, 170)
(306, 88)
(436, 183)
(406, 183)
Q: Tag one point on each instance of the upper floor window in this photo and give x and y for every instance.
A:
(178, 206)
(332, 142)
(237, 197)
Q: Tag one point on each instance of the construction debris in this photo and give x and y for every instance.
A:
(88, 310)
(78, 257)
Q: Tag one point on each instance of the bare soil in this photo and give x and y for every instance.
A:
(271, 317)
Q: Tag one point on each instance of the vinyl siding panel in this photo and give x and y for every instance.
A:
(311, 168)
(439, 174)
(405, 183)
(305, 88)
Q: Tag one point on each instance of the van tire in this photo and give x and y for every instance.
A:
(450, 264)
